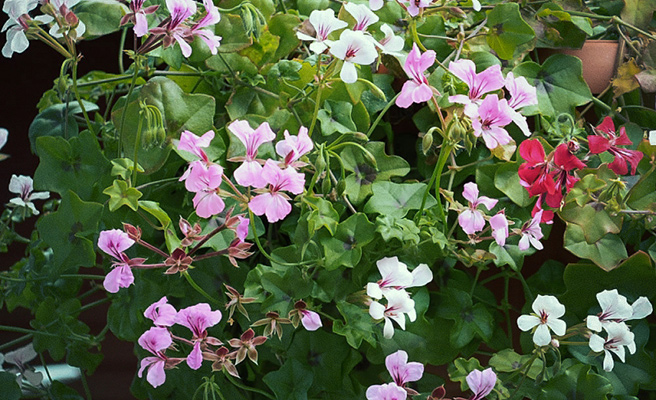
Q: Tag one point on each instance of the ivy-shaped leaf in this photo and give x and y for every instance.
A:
(357, 326)
(120, 194)
(291, 382)
(396, 199)
(344, 248)
(508, 30)
(607, 252)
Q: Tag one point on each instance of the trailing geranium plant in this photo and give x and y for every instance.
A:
(293, 199)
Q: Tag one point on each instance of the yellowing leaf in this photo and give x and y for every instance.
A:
(626, 81)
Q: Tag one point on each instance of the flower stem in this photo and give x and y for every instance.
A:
(248, 388)
(198, 288)
(79, 99)
(125, 107)
(381, 114)
(435, 179)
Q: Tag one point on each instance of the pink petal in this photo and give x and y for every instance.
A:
(119, 277)
(195, 358)
(310, 320)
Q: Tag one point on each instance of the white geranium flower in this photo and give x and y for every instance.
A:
(324, 23)
(15, 27)
(23, 186)
(395, 276)
(4, 135)
(390, 44)
(619, 336)
(616, 308)
(547, 311)
(399, 304)
(362, 14)
(354, 47)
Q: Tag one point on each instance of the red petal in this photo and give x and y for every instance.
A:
(598, 144)
(532, 151)
(566, 160)
(607, 126)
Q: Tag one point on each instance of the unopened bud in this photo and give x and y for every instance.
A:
(555, 343)
(427, 142)
(133, 232)
(457, 12)
(325, 185)
(341, 187)
(573, 146)
(438, 393)
(370, 159)
(320, 163)
(360, 136)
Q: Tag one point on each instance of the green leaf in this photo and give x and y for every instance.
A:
(120, 194)
(559, 83)
(403, 229)
(357, 325)
(594, 223)
(470, 320)
(509, 254)
(170, 235)
(57, 120)
(70, 230)
(396, 199)
(633, 278)
(280, 25)
(508, 30)
(461, 368)
(506, 180)
(323, 215)
(638, 13)
(291, 382)
(335, 116)
(557, 28)
(76, 164)
(508, 361)
(344, 248)
(607, 252)
(8, 386)
(180, 111)
(577, 381)
(101, 17)
(642, 195)
(359, 183)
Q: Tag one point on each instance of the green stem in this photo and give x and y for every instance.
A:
(435, 179)
(157, 182)
(79, 99)
(106, 80)
(527, 289)
(85, 385)
(121, 48)
(14, 342)
(248, 388)
(198, 288)
(381, 114)
(478, 274)
(315, 115)
(415, 35)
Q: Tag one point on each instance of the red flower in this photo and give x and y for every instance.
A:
(563, 163)
(534, 173)
(606, 139)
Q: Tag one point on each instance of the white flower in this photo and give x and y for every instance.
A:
(324, 23)
(619, 336)
(362, 14)
(615, 308)
(390, 44)
(16, 40)
(399, 303)
(547, 311)
(354, 47)
(23, 186)
(4, 134)
(395, 275)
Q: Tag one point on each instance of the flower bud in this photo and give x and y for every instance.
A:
(341, 187)
(133, 232)
(326, 185)
(437, 394)
(427, 142)
(360, 136)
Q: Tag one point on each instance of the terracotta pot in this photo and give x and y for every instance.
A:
(599, 58)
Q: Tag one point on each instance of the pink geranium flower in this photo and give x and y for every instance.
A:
(532, 233)
(156, 340)
(522, 94)
(272, 201)
(479, 83)
(490, 118)
(310, 320)
(499, 225)
(387, 391)
(472, 220)
(250, 172)
(114, 242)
(137, 16)
(175, 30)
(481, 383)
(564, 163)
(198, 318)
(212, 17)
(606, 139)
(193, 144)
(205, 181)
(294, 147)
(414, 7)
(417, 89)
(534, 173)
(161, 313)
(401, 370)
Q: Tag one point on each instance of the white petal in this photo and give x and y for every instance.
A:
(348, 74)
(527, 322)
(542, 337)
(608, 361)
(557, 325)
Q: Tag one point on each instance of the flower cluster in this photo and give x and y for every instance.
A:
(606, 139)
(615, 311)
(355, 46)
(489, 114)
(395, 279)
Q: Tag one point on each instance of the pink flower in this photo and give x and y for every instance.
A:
(481, 382)
(606, 139)
(414, 7)
(205, 181)
(114, 242)
(195, 144)
(242, 228)
(293, 147)
(387, 391)
(23, 186)
(417, 89)
(175, 30)
(195, 357)
(272, 201)
(401, 370)
(156, 340)
(161, 313)
(493, 114)
(250, 172)
(564, 162)
(207, 35)
(522, 94)
(324, 23)
(487, 81)
(472, 220)
(499, 225)
(138, 16)
(198, 318)
(310, 320)
(532, 233)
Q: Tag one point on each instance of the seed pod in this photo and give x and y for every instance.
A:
(427, 143)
